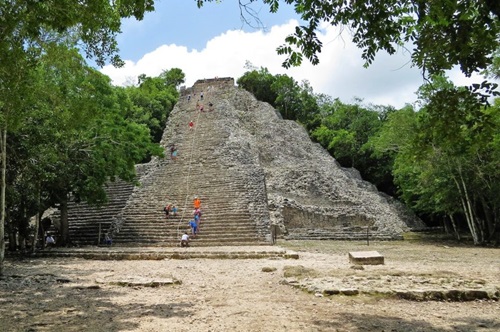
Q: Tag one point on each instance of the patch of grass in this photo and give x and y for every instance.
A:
(268, 269)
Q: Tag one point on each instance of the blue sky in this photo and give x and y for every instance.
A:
(213, 41)
(181, 22)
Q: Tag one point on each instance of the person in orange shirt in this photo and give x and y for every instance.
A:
(196, 203)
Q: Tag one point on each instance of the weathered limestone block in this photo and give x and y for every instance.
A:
(366, 258)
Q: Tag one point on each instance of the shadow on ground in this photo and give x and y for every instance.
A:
(46, 302)
(360, 322)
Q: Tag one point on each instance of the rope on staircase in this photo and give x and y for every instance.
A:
(188, 175)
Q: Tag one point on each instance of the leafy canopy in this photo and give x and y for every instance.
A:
(443, 33)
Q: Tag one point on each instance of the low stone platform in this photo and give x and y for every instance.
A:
(408, 287)
(156, 253)
(366, 258)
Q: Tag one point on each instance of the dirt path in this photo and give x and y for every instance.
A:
(236, 295)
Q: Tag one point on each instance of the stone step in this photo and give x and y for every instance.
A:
(174, 240)
(184, 225)
(228, 251)
(158, 223)
(203, 235)
(142, 212)
(236, 230)
(344, 236)
(162, 233)
(207, 209)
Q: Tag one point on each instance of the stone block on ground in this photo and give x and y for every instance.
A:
(366, 258)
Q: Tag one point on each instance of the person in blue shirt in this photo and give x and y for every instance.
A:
(194, 227)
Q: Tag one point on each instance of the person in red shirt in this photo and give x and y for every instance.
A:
(196, 203)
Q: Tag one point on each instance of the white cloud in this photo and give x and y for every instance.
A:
(388, 81)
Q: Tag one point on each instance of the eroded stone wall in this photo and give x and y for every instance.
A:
(307, 191)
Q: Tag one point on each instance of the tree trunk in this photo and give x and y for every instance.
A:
(478, 227)
(490, 223)
(35, 235)
(22, 227)
(42, 234)
(12, 239)
(64, 222)
(496, 235)
(37, 220)
(454, 225)
(468, 217)
(22, 242)
(3, 147)
(446, 226)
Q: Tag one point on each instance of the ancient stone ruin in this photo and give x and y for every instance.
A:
(257, 175)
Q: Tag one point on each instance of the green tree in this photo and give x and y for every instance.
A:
(442, 33)
(24, 26)
(259, 82)
(294, 101)
(77, 137)
(153, 100)
(173, 77)
(445, 33)
(79, 96)
(493, 70)
(391, 143)
(344, 131)
(447, 157)
(287, 96)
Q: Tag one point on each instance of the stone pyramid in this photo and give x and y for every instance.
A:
(256, 175)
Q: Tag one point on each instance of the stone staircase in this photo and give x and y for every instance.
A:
(159, 253)
(198, 170)
(88, 223)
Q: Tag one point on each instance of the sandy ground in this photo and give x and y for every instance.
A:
(237, 295)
